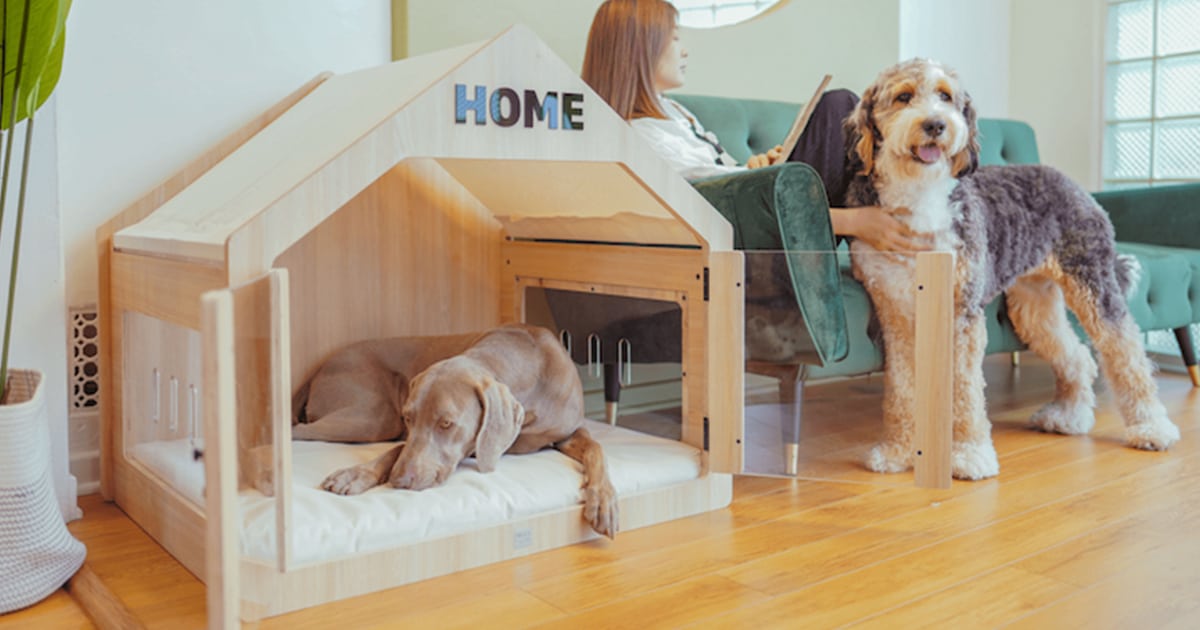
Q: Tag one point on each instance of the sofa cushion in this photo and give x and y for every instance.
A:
(1006, 142)
(745, 127)
(1168, 292)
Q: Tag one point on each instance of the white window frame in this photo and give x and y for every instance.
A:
(693, 16)
(1154, 120)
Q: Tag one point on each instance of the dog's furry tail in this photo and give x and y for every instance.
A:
(300, 403)
(1129, 273)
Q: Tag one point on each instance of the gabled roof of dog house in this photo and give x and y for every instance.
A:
(540, 180)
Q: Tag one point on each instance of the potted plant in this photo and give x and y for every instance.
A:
(37, 553)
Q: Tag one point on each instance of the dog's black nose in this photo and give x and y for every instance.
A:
(934, 127)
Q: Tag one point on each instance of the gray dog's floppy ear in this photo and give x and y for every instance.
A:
(966, 161)
(501, 423)
(861, 134)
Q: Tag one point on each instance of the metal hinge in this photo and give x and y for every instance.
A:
(706, 284)
(706, 433)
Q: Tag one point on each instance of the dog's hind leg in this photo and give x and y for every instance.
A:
(1126, 366)
(895, 452)
(973, 456)
(1038, 313)
(361, 423)
(599, 497)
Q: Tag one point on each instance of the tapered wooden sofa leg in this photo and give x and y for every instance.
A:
(1188, 350)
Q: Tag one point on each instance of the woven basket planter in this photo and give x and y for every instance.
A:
(37, 553)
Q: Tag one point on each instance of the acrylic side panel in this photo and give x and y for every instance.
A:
(162, 382)
(628, 350)
(814, 343)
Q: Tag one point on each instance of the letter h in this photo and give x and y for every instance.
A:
(462, 105)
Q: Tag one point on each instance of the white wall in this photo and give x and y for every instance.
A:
(778, 56)
(39, 316)
(781, 55)
(1056, 81)
(971, 37)
(148, 85)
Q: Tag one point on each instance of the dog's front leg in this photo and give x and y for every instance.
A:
(359, 479)
(973, 456)
(599, 497)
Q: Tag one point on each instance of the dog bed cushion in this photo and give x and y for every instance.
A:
(328, 526)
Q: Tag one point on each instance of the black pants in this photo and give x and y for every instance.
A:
(823, 145)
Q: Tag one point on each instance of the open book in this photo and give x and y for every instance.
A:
(798, 125)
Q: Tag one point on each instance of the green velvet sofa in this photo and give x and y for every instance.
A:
(783, 208)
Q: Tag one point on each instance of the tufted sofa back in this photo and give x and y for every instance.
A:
(748, 126)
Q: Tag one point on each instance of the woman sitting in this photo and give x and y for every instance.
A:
(634, 55)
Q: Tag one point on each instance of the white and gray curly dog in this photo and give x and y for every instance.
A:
(1027, 231)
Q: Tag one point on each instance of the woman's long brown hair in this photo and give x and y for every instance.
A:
(623, 47)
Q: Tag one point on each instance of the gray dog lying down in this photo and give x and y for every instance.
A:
(512, 389)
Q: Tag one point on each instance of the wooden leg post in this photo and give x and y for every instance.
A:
(934, 376)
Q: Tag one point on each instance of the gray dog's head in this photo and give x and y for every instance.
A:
(454, 409)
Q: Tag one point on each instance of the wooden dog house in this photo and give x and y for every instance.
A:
(422, 197)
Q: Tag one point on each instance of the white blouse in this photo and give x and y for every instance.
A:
(682, 140)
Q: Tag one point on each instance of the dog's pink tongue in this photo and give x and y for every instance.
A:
(929, 154)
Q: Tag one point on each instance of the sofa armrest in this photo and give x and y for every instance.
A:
(783, 210)
(1163, 215)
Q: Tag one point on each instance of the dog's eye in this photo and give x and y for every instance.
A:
(945, 96)
(904, 97)
(445, 424)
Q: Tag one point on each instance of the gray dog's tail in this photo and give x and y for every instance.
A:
(1129, 272)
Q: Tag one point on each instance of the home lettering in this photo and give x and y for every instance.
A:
(506, 107)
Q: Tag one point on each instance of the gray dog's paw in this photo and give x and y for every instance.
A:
(356, 480)
(600, 508)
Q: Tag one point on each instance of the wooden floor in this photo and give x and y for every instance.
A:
(1076, 532)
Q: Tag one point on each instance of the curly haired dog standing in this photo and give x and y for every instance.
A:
(1024, 230)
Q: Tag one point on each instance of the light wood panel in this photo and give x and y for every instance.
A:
(281, 413)
(223, 524)
(725, 356)
(274, 593)
(355, 127)
(169, 290)
(934, 370)
(411, 255)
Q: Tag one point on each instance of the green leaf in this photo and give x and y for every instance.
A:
(42, 63)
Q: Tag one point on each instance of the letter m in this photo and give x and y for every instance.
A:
(547, 109)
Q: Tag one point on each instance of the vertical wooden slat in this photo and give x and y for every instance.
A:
(281, 412)
(934, 368)
(220, 460)
(726, 362)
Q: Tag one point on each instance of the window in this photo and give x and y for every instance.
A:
(1152, 93)
(713, 13)
(1152, 103)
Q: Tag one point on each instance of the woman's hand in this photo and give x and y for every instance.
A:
(880, 229)
(765, 159)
